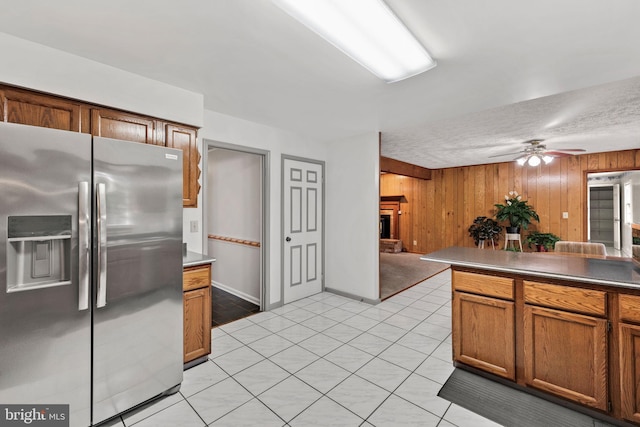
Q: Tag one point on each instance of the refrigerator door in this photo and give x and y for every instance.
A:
(45, 321)
(137, 341)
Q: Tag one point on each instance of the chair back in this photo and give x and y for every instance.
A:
(581, 247)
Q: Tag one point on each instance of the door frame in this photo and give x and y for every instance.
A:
(321, 163)
(265, 302)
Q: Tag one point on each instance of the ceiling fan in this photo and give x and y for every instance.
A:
(536, 152)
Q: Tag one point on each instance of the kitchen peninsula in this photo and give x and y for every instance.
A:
(566, 326)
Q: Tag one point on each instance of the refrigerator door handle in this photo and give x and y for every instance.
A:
(102, 244)
(83, 245)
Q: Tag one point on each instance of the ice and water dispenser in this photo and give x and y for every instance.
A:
(38, 252)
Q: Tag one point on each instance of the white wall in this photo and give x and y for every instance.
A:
(352, 204)
(231, 130)
(234, 209)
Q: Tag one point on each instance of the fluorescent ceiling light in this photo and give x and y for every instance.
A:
(366, 30)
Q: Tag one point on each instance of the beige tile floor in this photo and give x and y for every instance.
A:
(324, 361)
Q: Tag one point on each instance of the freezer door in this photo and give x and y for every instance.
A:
(137, 347)
(45, 321)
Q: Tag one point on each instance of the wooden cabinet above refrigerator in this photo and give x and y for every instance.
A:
(32, 108)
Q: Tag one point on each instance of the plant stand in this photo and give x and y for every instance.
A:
(512, 237)
(481, 244)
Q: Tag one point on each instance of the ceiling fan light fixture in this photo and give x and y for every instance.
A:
(367, 31)
(534, 160)
(547, 159)
(521, 161)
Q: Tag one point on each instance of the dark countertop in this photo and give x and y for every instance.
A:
(194, 258)
(613, 271)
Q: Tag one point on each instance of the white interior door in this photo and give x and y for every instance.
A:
(303, 228)
(616, 216)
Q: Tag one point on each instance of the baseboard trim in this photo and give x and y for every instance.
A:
(236, 292)
(274, 305)
(352, 296)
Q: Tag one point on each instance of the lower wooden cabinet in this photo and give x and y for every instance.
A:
(573, 342)
(630, 371)
(483, 333)
(197, 311)
(566, 354)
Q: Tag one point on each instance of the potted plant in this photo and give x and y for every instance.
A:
(544, 242)
(516, 211)
(482, 229)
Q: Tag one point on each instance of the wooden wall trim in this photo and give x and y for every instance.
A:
(401, 168)
(234, 240)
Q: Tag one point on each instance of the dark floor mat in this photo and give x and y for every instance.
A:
(508, 406)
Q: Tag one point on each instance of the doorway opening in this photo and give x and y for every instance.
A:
(235, 232)
(611, 212)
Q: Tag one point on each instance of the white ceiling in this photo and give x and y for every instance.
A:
(500, 65)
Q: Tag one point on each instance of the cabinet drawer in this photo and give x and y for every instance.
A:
(578, 300)
(483, 284)
(629, 308)
(196, 277)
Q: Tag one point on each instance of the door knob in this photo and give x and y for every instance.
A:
(288, 239)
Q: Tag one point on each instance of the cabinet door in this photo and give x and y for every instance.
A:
(197, 323)
(566, 354)
(28, 108)
(184, 138)
(484, 334)
(630, 371)
(125, 126)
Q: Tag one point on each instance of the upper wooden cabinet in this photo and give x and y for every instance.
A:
(184, 138)
(34, 109)
(25, 107)
(125, 126)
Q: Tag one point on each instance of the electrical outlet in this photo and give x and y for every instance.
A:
(415, 243)
(194, 226)
(565, 215)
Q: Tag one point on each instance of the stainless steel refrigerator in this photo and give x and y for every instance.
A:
(90, 271)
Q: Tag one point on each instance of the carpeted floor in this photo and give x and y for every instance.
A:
(402, 270)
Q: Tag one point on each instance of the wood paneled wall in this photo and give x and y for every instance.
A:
(438, 212)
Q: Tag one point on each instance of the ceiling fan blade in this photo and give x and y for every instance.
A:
(576, 150)
(557, 154)
(507, 154)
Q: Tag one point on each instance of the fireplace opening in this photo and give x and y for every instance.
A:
(385, 226)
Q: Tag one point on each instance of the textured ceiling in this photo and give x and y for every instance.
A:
(602, 118)
(251, 60)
